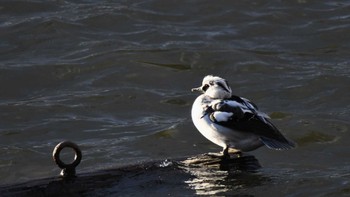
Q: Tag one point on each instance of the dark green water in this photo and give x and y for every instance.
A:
(115, 77)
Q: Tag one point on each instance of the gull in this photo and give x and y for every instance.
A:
(233, 122)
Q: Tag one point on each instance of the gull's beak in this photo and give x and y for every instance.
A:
(199, 89)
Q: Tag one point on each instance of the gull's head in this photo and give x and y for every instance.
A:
(214, 87)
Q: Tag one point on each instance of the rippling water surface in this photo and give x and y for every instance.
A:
(115, 77)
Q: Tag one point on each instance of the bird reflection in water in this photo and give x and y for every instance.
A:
(214, 175)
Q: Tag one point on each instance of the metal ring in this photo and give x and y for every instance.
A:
(56, 155)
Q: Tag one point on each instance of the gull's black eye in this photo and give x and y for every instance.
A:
(205, 87)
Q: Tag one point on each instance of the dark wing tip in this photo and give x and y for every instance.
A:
(278, 145)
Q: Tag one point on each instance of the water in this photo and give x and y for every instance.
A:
(115, 77)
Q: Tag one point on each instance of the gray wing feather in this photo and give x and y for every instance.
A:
(246, 118)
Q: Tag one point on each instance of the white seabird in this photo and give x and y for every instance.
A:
(233, 122)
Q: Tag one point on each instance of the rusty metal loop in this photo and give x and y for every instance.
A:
(58, 149)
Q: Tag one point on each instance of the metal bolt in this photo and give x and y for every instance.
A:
(68, 170)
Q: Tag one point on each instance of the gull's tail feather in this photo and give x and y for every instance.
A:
(278, 145)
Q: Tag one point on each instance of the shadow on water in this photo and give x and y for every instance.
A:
(200, 175)
(216, 176)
